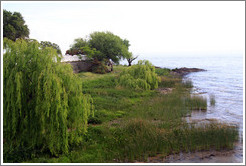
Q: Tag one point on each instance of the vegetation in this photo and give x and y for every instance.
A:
(120, 116)
(116, 117)
(14, 26)
(102, 46)
(131, 125)
(140, 76)
(212, 100)
(52, 45)
(162, 71)
(196, 103)
(44, 107)
(111, 46)
(130, 58)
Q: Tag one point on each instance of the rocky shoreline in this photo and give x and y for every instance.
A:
(184, 71)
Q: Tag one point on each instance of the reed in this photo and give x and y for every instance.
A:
(212, 100)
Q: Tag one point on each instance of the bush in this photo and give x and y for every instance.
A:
(162, 71)
(140, 76)
(44, 107)
(98, 67)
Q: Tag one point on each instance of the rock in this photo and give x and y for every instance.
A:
(184, 70)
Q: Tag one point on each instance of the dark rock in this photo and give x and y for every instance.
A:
(184, 71)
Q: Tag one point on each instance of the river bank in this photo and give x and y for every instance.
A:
(135, 125)
(212, 156)
(199, 117)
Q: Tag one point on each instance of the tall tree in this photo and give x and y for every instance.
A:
(44, 106)
(52, 45)
(78, 43)
(111, 46)
(14, 25)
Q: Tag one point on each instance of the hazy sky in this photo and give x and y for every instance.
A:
(153, 28)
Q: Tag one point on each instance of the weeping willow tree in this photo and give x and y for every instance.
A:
(139, 76)
(43, 104)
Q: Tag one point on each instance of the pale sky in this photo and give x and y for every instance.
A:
(153, 28)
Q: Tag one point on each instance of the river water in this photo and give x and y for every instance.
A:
(223, 79)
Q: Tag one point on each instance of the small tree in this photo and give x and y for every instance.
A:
(129, 57)
(14, 26)
(139, 76)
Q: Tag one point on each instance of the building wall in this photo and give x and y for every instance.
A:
(79, 66)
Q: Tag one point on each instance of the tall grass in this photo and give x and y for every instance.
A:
(139, 139)
(212, 100)
(196, 102)
(131, 125)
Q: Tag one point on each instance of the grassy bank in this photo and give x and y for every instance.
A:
(132, 125)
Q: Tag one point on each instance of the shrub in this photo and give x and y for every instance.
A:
(162, 71)
(139, 76)
(43, 100)
(99, 67)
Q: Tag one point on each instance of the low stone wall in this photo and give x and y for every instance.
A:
(79, 66)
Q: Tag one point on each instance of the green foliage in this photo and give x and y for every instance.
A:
(14, 26)
(187, 83)
(130, 125)
(98, 67)
(77, 47)
(111, 46)
(92, 53)
(52, 45)
(79, 43)
(169, 82)
(104, 47)
(101, 46)
(44, 107)
(196, 103)
(140, 76)
(130, 58)
(162, 71)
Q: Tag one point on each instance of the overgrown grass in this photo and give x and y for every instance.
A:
(131, 125)
(196, 103)
(162, 71)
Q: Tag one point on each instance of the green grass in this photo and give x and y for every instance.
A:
(131, 125)
(162, 71)
(196, 103)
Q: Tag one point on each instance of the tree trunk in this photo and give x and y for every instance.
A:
(129, 62)
(111, 67)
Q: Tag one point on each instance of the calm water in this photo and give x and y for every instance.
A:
(223, 79)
